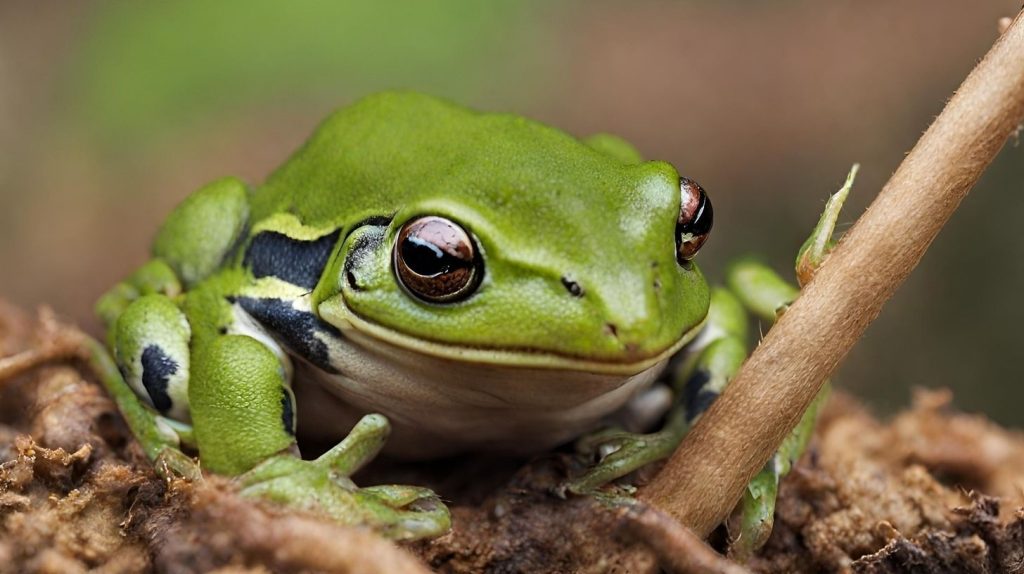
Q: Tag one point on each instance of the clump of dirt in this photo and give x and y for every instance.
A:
(76, 492)
(522, 527)
(931, 490)
(921, 492)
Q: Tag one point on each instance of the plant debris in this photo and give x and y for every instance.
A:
(932, 490)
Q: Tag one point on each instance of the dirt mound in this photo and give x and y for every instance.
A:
(931, 490)
(921, 492)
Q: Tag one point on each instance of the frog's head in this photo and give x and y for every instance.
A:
(509, 242)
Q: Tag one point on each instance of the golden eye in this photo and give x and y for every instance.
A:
(695, 219)
(436, 261)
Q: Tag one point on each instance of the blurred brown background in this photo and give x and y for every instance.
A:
(112, 112)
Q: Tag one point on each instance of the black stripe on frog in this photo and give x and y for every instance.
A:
(297, 330)
(287, 412)
(696, 398)
(360, 253)
(157, 370)
(301, 263)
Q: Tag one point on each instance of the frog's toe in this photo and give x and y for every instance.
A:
(400, 496)
(618, 454)
(171, 463)
(752, 520)
(400, 512)
(407, 512)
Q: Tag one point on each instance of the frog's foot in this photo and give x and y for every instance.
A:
(752, 520)
(820, 243)
(171, 463)
(154, 277)
(618, 453)
(323, 486)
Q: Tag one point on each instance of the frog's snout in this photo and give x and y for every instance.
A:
(632, 348)
(630, 324)
(632, 341)
(627, 310)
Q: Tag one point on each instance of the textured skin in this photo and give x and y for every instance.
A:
(579, 247)
(237, 411)
(155, 276)
(542, 206)
(155, 322)
(546, 210)
(199, 233)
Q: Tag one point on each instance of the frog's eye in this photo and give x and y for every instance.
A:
(435, 260)
(695, 218)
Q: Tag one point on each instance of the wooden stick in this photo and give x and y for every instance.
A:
(678, 549)
(732, 441)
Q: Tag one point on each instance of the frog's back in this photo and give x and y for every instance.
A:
(392, 148)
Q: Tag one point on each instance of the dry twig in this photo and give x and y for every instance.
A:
(706, 475)
(678, 549)
(293, 542)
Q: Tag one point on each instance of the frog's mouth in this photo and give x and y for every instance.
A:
(367, 332)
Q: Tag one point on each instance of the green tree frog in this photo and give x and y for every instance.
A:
(459, 280)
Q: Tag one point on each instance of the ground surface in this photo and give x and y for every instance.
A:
(931, 490)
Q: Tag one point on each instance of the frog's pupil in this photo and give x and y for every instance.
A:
(427, 259)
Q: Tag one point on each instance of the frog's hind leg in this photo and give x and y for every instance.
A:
(153, 277)
(198, 236)
(148, 378)
(151, 347)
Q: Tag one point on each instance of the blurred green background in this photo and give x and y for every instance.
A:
(111, 112)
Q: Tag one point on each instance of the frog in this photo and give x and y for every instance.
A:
(426, 280)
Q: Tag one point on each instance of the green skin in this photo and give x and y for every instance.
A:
(540, 205)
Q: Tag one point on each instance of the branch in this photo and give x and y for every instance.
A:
(732, 441)
(678, 550)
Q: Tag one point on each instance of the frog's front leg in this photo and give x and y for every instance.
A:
(148, 376)
(761, 291)
(242, 409)
(698, 381)
(715, 356)
(192, 243)
(404, 512)
(243, 416)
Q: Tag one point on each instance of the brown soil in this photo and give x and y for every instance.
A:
(932, 490)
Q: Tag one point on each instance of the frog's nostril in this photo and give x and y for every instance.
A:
(631, 348)
(572, 287)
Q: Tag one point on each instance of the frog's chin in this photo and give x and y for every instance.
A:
(343, 318)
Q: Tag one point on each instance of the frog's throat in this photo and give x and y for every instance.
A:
(341, 316)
